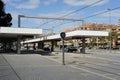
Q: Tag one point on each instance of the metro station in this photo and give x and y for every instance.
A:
(79, 34)
(9, 35)
(11, 38)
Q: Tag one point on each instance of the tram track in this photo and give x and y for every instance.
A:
(101, 68)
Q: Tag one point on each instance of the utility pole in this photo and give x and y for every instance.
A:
(83, 38)
(19, 21)
(110, 29)
(19, 37)
(52, 30)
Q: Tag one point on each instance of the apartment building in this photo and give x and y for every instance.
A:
(114, 31)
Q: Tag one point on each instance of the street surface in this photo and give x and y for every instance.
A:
(105, 54)
(98, 62)
(37, 67)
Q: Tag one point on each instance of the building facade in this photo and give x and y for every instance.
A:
(113, 38)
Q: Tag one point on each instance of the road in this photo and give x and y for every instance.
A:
(105, 54)
(37, 67)
(106, 64)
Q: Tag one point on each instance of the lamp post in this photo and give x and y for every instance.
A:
(110, 29)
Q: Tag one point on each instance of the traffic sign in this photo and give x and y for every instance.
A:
(63, 35)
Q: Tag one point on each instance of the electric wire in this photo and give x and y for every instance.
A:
(103, 12)
(82, 8)
(75, 11)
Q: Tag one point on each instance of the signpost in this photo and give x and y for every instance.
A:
(63, 35)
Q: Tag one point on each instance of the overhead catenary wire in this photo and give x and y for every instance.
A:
(103, 12)
(82, 8)
(76, 11)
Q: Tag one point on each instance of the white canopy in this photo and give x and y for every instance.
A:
(10, 32)
(78, 33)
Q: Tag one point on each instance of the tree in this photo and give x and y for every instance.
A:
(5, 21)
(5, 18)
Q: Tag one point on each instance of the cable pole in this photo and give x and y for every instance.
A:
(110, 29)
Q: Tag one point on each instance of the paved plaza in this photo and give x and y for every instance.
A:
(37, 67)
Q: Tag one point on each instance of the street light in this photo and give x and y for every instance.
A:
(110, 29)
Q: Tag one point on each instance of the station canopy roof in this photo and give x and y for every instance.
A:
(13, 33)
(71, 35)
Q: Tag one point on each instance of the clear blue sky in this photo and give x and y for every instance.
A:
(58, 8)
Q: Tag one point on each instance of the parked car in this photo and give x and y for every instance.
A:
(71, 49)
(46, 48)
